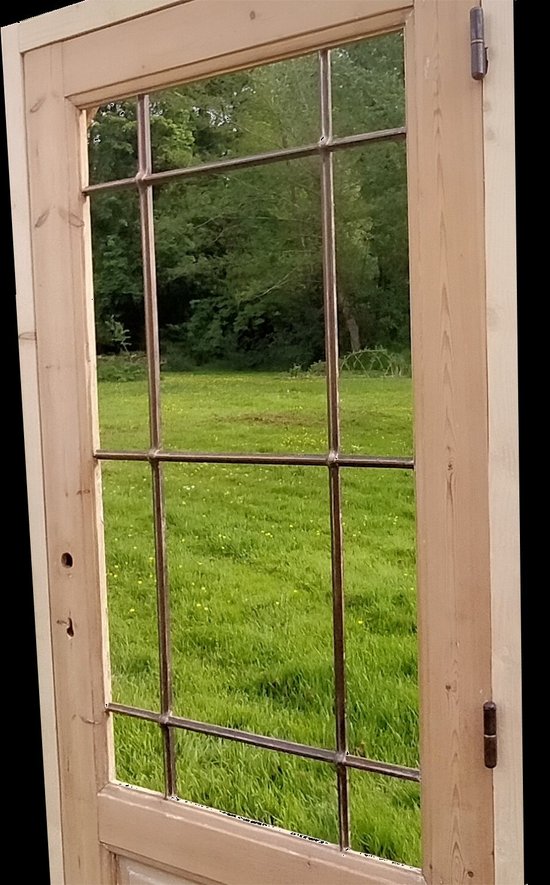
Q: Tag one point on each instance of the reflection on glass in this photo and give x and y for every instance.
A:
(241, 310)
(249, 558)
(112, 142)
(138, 753)
(381, 642)
(260, 785)
(131, 594)
(119, 321)
(248, 112)
(373, 295)
(368, 85)
(385, 817)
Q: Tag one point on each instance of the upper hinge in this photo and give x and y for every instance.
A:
(490, 734)
(478, 49)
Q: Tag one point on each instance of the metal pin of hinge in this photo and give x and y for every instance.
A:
(478, 48)
(490, 734)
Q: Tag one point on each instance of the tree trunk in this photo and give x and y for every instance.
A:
(351, 324)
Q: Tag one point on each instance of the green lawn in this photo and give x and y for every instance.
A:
(249, 572)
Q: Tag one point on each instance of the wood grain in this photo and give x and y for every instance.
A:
(60, 271)
(88, 15)
(184, 36)
(500, 245)
(244, 58)
(446, 229)
(19, 193)
(212, 845)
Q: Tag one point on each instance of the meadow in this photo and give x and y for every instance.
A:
(249, 575)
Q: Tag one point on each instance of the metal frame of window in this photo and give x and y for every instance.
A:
(144, 181)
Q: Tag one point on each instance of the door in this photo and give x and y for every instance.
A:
(111, 826)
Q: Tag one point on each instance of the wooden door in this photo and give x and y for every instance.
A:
(59, 68)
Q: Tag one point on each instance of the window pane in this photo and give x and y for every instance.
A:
(248, 112)
(385, 817)
(138, 753)
(260, 785)
(241, 310)
(131, 593)
(249, 561)
(119, 321)
(112, 142)
(368, 85)
(373, 295)
(381, 626)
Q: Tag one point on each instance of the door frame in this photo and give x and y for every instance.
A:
(484, 462)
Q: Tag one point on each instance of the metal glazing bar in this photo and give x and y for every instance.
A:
(292, 748)
(153, 366)
(179, 457)
(309, 150)
(386, 768)
(149, 270)
(118, 184)
(333, 408)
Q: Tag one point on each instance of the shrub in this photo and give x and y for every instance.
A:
(111, 335)
(121, 367)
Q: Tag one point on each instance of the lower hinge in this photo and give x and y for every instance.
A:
(490, 734)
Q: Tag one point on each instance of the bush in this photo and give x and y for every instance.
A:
(121, 367)
(111, 335)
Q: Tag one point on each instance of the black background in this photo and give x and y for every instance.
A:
(22, 758)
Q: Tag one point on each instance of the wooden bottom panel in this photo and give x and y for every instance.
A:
(210, 847)
(132, 872)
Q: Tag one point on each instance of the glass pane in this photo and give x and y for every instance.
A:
(112, 142)
(241, 310)
(381, 626)
(138, 753)
(249, 561)
(368, 85)
(131, 588)
(248, 112)
(373, 293)
(385, 817)
(119, 321)
(260, 785)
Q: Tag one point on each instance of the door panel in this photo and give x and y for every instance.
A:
(449, 334)
(131, 872)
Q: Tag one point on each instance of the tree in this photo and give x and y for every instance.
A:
(239, 253)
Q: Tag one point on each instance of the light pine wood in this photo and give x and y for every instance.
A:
(185, 36)
(446, 230)
(60, 257)
(500, 238)
(19, 193)
(245, 58)
(206, 843)
(466, 462)
(88, 15)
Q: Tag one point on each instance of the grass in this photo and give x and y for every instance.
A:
(249, 571)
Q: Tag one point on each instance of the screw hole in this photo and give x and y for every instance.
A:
(67, 560)
(70, 628)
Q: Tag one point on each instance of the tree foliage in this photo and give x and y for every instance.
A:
(239, 253)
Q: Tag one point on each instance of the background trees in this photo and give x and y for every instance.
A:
(239, 254)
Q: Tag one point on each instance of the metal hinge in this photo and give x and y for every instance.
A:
(490, 734)
(478, 49)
